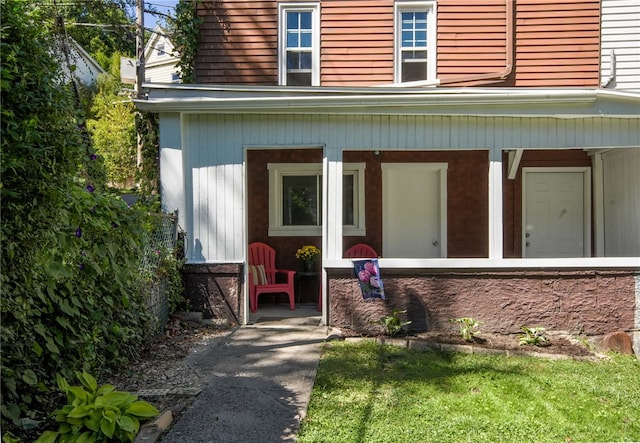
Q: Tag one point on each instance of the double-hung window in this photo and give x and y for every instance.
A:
(299, 59)
(415, 41)
(295, 206)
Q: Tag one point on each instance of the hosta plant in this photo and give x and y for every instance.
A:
(533, 337)
(468, 327)
(393, 324)
(97, 414)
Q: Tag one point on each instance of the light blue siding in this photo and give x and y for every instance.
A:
(214, 149)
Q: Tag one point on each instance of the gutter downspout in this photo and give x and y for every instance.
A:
(500, 75)
(612, 70)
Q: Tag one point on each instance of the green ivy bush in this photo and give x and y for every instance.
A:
(185, 30)
(70, 250)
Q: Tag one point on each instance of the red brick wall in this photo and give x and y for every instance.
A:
(467, 205)
(258, 204)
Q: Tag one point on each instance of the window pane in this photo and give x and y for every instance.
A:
(414, 56)
(292, 20)
(414, 29)
(407, 20)
(292, 39)
(298, 78)
(305, 60)
(293, 60)
(414, 71)
(407, 39)
(348, 195)
(420, 19)
(300, 200)
(305, 20)
(305, 40)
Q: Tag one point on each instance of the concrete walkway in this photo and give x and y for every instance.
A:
(259, 381)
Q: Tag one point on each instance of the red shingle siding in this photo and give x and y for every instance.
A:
(553, 42)
(238, 43)
(557, 42)
(357, 42)
(471, 37)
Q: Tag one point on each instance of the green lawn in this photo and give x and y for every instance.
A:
(367, 392)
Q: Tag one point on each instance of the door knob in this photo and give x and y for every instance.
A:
(435, 243)
(527, 244)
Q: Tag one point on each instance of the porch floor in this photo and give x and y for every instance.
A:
(307, 313)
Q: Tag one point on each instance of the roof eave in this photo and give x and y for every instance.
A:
(564, 103)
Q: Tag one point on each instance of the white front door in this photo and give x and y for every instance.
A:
(556, 212)
(414, 210)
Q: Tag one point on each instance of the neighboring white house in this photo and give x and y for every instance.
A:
(160, 59)
(73, 58)
(620, 45)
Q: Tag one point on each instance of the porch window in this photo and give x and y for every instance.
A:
(415, 41)
(295, 206)
(299, 44)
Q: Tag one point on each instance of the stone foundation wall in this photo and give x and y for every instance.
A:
(587, 302)
(215, 290)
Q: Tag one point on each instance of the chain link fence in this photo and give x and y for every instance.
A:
(160, 252)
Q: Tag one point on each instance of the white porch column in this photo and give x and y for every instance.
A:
(331, 215)
(495, 204)
(597, 186)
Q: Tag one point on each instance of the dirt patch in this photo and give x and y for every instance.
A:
(161, 374)
(558, 343)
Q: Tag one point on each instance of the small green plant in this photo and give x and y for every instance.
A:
(533, 337)
(97, 414)
(393, 324)
(468, 327)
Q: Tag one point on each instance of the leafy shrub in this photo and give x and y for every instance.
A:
(71, 296)
(95, 413)
(468, 327)
(533, 336)
(393, 324)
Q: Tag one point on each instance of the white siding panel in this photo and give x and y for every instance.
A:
(622, 202)
(621, 35)
(215, 232)
(214, 153)
(160, 74)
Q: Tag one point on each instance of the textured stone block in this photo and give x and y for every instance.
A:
(616, 341)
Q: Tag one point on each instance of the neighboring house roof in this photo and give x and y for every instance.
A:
(160, 58)
(86, 69)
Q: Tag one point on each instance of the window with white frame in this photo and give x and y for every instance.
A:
(160, 50)
(295, 199)
(415, 41)
(299, 54)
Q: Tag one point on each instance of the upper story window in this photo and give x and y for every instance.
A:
(415, 41)
(299, 59)
(160, 50)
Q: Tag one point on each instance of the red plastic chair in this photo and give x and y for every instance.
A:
(261, 254)
(361, 250)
